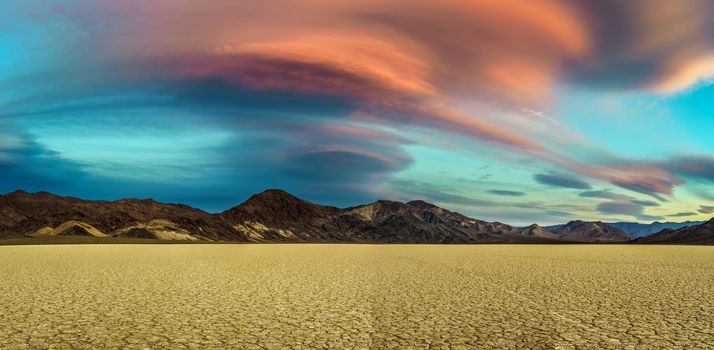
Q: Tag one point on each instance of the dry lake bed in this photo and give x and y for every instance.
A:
(356, 297)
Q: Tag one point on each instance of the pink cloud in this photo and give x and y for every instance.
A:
(404, 63)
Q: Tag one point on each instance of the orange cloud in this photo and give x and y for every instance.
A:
(502, 50)
(370, 58)
(405, 62)
(679, 76)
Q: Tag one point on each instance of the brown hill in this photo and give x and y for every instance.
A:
(418, 221)
(23, 213)
(537, 231)
(275, 215)
(586, 231)
(697, 234)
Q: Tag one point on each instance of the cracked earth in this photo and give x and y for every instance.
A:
(356, 297)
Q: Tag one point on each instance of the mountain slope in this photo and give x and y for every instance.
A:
(275, 215)
(697, 234)
(537, 231)
(420, 222)
(23, 213)
(585, 231)
(636, 229)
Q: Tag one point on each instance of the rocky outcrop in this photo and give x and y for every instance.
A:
(70, 228)
(537, 231)
(590, 231)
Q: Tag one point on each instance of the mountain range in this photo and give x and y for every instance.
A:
(636, 229)
(697, 234)
(277, 216)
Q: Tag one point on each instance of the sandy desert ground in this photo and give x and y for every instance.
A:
(357, 296)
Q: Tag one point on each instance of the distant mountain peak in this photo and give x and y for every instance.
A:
(636, 229)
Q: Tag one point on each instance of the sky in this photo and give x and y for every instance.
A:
(505, 110)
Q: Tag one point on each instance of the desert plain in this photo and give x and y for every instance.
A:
(344, 296)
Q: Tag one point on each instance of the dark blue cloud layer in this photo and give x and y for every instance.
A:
(302, 143)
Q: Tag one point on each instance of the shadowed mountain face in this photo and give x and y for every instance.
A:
(697, 234)
(270, 216)
(583, 231)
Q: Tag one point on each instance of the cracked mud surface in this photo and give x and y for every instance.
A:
(356, 296)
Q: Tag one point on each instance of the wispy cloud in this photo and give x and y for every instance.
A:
(625, 208)
(561, 180)
(683, 214)
(321, 96)
(706, 209)
(507, 193)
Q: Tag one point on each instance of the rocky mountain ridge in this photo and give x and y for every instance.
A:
(274, 216)
(636, 229)
(698, 234)
(590, 231)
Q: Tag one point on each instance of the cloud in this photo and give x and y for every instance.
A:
(645, 186)
(625, 208)
(690, 167)
(656, 178)
(270, 69)
(664, 47)
(561, 180)
(646, 203)
(622, 204)
(450, 198)
(410, 189)
(682, 214)
(706, 209)
(472, 52)
(619, 208)
(386, 96)
(339, 163)
(506, 193)
(25, 164)
(604, 194)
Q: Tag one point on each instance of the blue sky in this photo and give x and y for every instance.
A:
(512, 111)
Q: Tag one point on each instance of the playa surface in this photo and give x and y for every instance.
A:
(307, 296)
